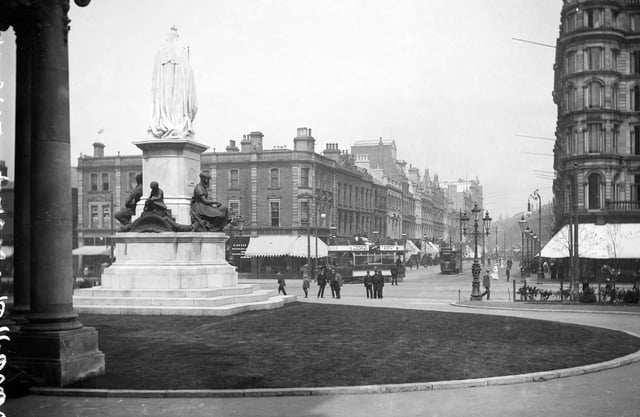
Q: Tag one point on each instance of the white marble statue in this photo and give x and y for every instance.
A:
(173, 90)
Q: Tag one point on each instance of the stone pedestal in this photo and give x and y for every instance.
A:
(173, 273)
(175, 165)
(169, 261)
(57, 358)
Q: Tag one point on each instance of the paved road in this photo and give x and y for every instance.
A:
(613, 392)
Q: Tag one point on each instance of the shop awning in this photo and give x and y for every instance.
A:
(92, 250)
(277, 245)
(430, 248)
(607, 241)
(410, 248)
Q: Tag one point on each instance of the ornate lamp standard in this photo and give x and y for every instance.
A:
(475, 268)
(523, 224)
(536, 196)
(528, 233)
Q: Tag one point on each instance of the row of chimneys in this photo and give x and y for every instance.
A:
(253, 143)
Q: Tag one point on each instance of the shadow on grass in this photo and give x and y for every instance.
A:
(315, 345)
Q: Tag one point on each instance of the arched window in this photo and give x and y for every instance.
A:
(595, 188)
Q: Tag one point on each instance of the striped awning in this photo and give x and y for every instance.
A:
(278, 245)
(606, 241)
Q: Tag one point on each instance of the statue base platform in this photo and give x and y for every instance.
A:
(173, 273)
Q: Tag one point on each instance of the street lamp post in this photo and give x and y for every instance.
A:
(536, 196)
(322, 217)
(528, 233)
(475, 269)
(523, 224)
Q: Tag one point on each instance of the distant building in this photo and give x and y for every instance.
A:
(597, 93)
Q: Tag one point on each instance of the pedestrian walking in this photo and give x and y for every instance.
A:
(379, 283)
(337, 282)
(508, 270)
(486, 283)
(368, 284)
(281, 283)
(322, 281)
(394, 274)
(331, 278)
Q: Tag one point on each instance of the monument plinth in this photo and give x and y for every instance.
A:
(174, 164)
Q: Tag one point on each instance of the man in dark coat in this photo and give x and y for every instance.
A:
(378, 282)
(322, 281)
(394, 274)
(368, 284)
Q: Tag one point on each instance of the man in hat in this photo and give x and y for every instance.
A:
(486, 283)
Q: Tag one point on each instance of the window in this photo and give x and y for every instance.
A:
(594, 192)
(635, 141)
(634, 20)
(234, 208)
(106, 216)
(571, 98)
(593, 58)
(635, 98)
(105, 182)
(304, 177)
(593, 18)
(274, 178)
(614, 97)
(100, 215)
(132, 181)
(569, 145)
(594, 137)
(614, 59)
(615, 134)
(274, 209)
(94, 182)
(593, 95)
(635, 62)
(234, 181)
(571, 62)
(570, 22)
(95, 216)
(304, 212)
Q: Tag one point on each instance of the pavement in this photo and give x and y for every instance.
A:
(603, 391)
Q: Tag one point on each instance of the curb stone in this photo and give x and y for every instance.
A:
(346, 390)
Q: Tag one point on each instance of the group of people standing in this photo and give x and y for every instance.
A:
(328, 275)
(374, 284)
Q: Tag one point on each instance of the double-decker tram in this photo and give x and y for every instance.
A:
(353, 261)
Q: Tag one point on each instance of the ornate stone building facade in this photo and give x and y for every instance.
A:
(597, 93)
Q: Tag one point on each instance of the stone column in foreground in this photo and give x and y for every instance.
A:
(52, 345)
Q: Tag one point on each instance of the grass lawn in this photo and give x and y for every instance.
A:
(314, 345)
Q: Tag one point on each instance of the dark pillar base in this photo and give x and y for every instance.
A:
(57, 358)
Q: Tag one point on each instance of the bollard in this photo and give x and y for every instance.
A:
(514, 292)
(561, 291)
(458, 294)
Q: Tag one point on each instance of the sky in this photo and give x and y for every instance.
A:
(445, 80)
